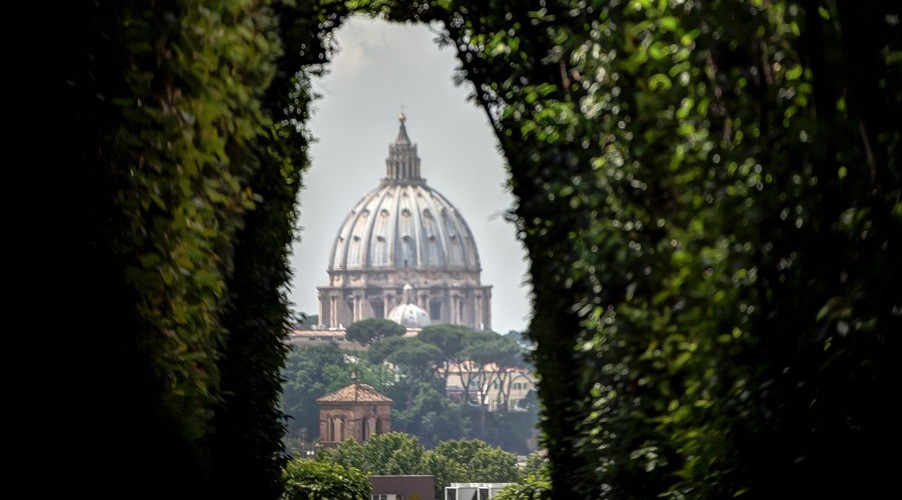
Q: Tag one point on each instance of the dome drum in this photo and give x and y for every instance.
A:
(423, 279)
(467, 305)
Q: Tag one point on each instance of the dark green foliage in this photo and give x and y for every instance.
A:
(392, 453)
(306, 479)
(370, 331)
(483, 463)
(531, 487)
(249, 425)
(430, 417)
(534, 482)
(418, 408)
(514, 431)
(521, 338)
(709, 194)
(536, 463)
(450, 461)
(416, 386)
(311, 372)
(416, 358)
(159, 162)
(379, 352)
(451, 341)
(305, 321)
(178, 163)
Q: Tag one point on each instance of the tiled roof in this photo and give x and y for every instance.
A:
(355, 392)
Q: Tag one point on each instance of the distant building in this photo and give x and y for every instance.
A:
(404, 232)
(322, 336)
(473, 491)
(500, 389)
(403, 487)
(354, 412)
(302, 337)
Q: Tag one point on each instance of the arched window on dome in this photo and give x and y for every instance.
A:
(380, 250)
(432, 245)
(408, 251)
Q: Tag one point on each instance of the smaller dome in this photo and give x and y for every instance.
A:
(407, 313)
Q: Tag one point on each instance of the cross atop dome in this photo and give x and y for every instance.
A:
(402, 134)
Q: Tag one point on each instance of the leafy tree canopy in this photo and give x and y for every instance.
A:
(708, 193)
(450, 461)
(311, 372)
(370, 331)
(500, 350)
(380, 351)
(450, 339)
(307, 479)
(483, 462)
(416, 356)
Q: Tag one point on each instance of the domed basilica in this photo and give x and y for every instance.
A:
(406, 254)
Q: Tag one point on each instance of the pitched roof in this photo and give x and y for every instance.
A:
(355, 392)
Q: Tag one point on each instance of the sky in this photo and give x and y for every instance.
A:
(380, 70)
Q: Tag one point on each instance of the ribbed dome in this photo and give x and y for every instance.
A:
(404, 224)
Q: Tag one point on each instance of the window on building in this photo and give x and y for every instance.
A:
(336, 430)
(378, 308)
(435, 310)
(483, 494)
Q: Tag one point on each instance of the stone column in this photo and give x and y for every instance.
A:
(333, 310)
(477, 314)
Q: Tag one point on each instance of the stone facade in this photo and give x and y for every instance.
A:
(405, 232)
(353, 412)
(403, 487)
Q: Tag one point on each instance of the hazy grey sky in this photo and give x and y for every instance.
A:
(379, 69)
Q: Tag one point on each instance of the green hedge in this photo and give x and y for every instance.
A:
(708, 192)
(307, 479)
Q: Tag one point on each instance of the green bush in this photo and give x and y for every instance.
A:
(306, 479)
(534, 485)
